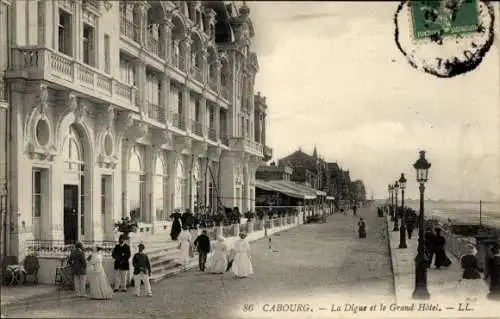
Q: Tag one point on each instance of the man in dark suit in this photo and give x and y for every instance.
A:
(202, 244)
(121, 254)
(79, 267)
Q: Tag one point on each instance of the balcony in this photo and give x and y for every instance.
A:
(226, 93)
(224, 139)
(179, 62)
(36, 63)
(129, 29)
(198, 75)
(212, 83)
(153, 46)
(212, 134)
(248, 146)
(178, 121)
(196, 127)
(156, 112)
(91, 4)
(268, 153)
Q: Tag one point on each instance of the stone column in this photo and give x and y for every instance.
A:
(263, 129)
(186, 43)
(187, 111)
(76, 34)
(165, 97)
(141, 87)
(203, 115)
(166, 28)
(217, 121)
(149, 200)
(218, 69)
(204, 66)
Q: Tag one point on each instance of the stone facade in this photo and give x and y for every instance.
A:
(127, 108)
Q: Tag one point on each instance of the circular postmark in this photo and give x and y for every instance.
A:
(444, 38)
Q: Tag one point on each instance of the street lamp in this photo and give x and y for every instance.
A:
(389, 187)
(421, 292)
(396, 222)
(402, 228)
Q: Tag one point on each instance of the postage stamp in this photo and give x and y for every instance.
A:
(444, 38)
(444, 18)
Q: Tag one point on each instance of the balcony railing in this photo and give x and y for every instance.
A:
(212, 83)
(64, 70)
(178, 121)
(153, 45)
(3, 91)
(197, 127)
(253, 146)
(268, 152)
(198, 75)
(212, 134)
(129, 29)
(224, 139)
(93, 4)
(156, 112)
(58, 248)
(181, 63)
(225, 92)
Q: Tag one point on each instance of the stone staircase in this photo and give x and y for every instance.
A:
(164, 258)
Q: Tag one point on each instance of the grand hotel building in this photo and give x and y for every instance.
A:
(119, 108)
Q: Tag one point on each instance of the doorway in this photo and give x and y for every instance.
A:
(70, 214)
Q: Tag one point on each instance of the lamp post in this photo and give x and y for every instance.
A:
(396, 221)
(392, 202)
(421, 292)
(402, 228)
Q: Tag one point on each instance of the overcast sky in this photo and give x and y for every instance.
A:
(333, 77)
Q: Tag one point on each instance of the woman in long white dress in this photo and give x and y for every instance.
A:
(184, 245)
(218, 262)
(242, 266)
(99, 287)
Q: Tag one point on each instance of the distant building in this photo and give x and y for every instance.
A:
(274, 172)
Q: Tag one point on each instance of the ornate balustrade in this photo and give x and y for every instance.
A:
(244, 228)
(197, 73)
(212, 134)
(258, 225)
(178, 121)
(129, 29)
(37, 63)
(276, 222)
(156, 112)
(153, 45)
(58, 248)
(253, 146)
(197, 127)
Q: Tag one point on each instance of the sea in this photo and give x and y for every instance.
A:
(467, 212)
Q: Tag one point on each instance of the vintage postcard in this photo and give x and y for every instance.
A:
(250, 159)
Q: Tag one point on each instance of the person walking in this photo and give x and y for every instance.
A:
(78, 265)
(121, 254)
(429, 245)
(411, 220)
(219, 261)
(441, 259)
(493, 273)
(361, 228)
(241, 265)
(142, 271)
(99, 287)
(202, 244)
(184, 246)
(471, 283)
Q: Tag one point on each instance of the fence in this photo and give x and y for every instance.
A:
(58, 248)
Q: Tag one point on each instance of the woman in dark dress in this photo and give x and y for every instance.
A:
(441, 260)
(361, 228)
(493, 273)
(471, 284)
(176, 225)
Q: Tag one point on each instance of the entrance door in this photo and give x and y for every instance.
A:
(70, 214)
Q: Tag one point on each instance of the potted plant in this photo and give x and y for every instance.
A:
(126, 225)
(249, 216)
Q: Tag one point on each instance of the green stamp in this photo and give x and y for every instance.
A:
(443, 17)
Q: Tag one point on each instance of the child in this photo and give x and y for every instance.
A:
(142, 271)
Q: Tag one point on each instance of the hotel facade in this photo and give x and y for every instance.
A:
(125, 108)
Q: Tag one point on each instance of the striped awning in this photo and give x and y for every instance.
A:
(303, 188)
(285, 187)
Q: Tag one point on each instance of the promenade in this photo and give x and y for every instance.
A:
(442, 285)
(316, 265)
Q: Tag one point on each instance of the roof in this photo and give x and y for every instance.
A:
(305, 188)
(285, 187)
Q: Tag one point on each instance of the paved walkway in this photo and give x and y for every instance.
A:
(317, 266)
(13, 294)
(442, 284)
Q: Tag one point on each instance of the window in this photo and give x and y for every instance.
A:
(152, 89)
(179, 102)
(41, 22)
(103, 195)
(82, 204)
(196, 109)
(160, 189)
(88, 45)
(107, 57)
(136, 184)
(127, 71)
(36, 193)
(64, 36)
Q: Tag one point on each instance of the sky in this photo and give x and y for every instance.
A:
(334, 78)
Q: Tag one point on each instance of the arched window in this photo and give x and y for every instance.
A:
(136, 183)
(160, 188)
(72, 150)
(196, 186)
(179, 185)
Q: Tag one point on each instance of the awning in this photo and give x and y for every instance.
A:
(330, 198)
(308, 190)
(284, 188)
